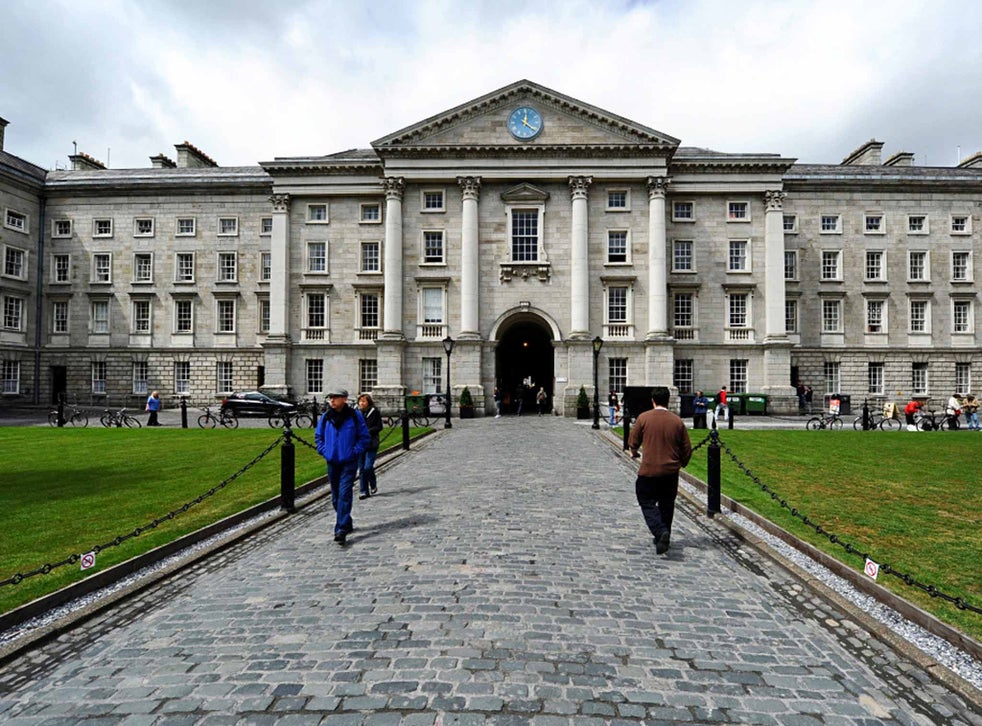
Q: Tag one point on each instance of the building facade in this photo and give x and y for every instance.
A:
(524, 225)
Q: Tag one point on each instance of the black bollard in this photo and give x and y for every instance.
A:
(405, 430)
(184, 412)
(729, 416)
(866, 421)
(712, 464)
(61, 410)
(287, 472)
(627, 430)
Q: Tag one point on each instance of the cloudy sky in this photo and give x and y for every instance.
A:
(250, 80)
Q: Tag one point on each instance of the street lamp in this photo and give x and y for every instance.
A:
(597, 345)
(448, 346)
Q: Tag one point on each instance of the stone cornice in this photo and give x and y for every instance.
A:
(448, 151)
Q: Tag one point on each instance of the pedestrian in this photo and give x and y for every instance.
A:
(540, 399)
(497, 401)
(721, 405)
(909, 410)
(340, 437)
(368, 482)
(153, 406)
(613, 406)
(700, 405)
(665, 448)
(520, 398)
(971, 408)
(954, 409)
(800, 390)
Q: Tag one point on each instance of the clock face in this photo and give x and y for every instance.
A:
(525, 123)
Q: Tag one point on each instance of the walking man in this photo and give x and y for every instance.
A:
(153, 407)
(721, 405)
(341, 437)
(665, 448)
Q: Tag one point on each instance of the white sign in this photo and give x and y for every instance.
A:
(872, 569)
(87, 560)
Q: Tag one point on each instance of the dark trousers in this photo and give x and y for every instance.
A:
(656, 497)
(152, 420)
(699, 420)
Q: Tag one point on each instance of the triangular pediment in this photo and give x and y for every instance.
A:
(482, 124)
(524, 194)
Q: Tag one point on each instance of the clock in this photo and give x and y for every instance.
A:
(525, 123)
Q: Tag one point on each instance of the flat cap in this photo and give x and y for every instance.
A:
(339, 392)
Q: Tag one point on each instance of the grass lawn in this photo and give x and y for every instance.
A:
(913, 501)
(62, 491)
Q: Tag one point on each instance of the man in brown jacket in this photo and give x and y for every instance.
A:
(665, 448)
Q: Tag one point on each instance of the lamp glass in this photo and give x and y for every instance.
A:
(598, 343)
(448, 345)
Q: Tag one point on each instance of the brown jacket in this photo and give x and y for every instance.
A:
(663, 440)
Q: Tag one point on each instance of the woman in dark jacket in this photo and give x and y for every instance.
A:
(366, 463)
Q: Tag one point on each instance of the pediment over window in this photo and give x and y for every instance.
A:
(524, 194)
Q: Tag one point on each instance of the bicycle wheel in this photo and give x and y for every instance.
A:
(925, 424)
(207, 421)
(53, 418)
(80, 419)
(857, 423)
(230, 421)
(814, 424)
(948, 424)
(276, 421)
(890, 424)
(303, 421)
(131, 421)
(107, 420)
(836, 424)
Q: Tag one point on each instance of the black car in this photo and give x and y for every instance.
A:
(254, 403)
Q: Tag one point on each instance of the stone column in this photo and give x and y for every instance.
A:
(657, 260)
(775, 328)
(276, 356)
(579, 258)
(392, 275)
(469, 258)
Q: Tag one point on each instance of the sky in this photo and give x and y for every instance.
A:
(251, 80)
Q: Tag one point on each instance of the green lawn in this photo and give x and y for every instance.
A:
(62, 491)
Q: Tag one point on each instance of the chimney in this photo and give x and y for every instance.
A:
(82, 161)
(866, 155)
(972, 162)
(901, 158)
(190, 156)
(160, 161)
(3, 125)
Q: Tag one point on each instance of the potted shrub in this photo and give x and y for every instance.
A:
(582, 404)
(466, 403)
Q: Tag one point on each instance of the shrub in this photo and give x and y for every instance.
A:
(582, 401)
(465, 397)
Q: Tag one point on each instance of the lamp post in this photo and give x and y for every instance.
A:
(448, 346)
(597, 345)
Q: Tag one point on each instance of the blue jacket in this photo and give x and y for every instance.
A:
(343, 443)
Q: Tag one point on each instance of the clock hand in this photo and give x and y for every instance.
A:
(526, 123)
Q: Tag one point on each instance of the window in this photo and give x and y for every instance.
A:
(684, 310)
(432, 375)
(264, 315)
(738, 211)
(683, 211)
(228, 226)
(431, 302)
(617, 200)
(184, 267)
(61, 268)
(225, 316)
(917, 265)
(14, 263)
(791, 316)
(13, 313)
(432, 200)
(875, 314)
(102, 228)
(371, 260)
(873, 224)
(183, 316)
(99, 317)
(16, 221)
(963, 378)
(369, 310)
(432, 247)
(682, 258)
(917, 224)
(831, 267)
(790, 224)
(682, 375)
(790, 264)
(738, 375)
(371, 213)
(617, 246)
(182, 377)
(961, 224)
(227, 267)
(265, 226)
(831, 316)
(617, 305)
(830, 224)
(918, 378)
(143, 227)
(317, 257)
(617, 374)
(919, 322)
(739, 260)
(874, 378)
(99, 378)
(11, 376)
(143, 267)
(524, 235)
(59, 317)
(738, 305)
(102, 267)
(832, 376)
(61, 228)
(265, 266)
(224, 383)
(961, 316)
(367, 374)
(141, 316)
(140, 374)
(186, 226)
(317, 214)
(961, 266)
(875, 267)
(316, 315)
(315, 375)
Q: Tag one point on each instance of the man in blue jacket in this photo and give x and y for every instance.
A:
(341, 437)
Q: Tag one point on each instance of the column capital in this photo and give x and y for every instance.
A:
(395, 187)
(579, 186)
(471, 186)
(774, 199)
(658, 186)
(281, 202)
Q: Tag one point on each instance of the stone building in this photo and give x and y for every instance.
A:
(524, 225)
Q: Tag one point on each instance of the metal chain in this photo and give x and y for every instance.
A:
(115, 542)
(305, 443)
(701, 443)
(907, 579)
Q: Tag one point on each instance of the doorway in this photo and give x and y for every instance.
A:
(524, 362)
(59, 383)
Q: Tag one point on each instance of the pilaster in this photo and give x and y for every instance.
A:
(579, 187)
(775, 327)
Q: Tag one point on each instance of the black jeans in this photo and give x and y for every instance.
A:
(656, 497)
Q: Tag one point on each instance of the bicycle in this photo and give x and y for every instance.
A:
(118, 419)
(824, 421)
(297, 419)
(878, 421)
(77, 417)
(929, 421)
(209, 419)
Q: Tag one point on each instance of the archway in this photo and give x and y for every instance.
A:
(524, 362)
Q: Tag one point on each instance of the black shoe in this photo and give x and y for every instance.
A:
(374, 490)
(340, 537)
(662, 542)
(364, 496)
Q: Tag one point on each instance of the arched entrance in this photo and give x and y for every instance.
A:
(524, 362)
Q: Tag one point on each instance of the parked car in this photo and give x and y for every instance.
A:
(254, 403)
